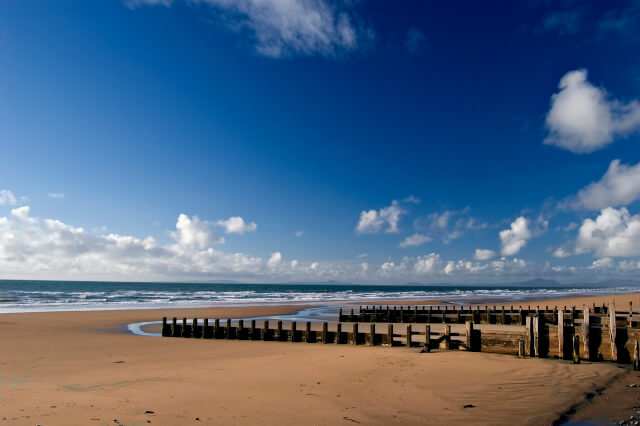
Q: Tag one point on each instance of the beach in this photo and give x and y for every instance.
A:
(84, 368)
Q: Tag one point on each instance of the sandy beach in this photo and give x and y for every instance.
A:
(83, 368)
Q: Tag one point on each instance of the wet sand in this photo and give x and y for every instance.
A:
(81, 368)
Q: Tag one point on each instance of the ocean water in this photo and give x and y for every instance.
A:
(41, 296)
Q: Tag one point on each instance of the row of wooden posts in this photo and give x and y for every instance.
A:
(481, 314)
(604, 341)
(351, 334)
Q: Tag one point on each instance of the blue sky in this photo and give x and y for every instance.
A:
(309, 140)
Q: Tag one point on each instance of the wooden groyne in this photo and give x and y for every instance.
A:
(589, 333)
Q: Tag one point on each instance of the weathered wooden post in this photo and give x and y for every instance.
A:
(166, 331)
(390, 334)
(469, 335)
(252, 330)
(194, 328)
(529, 336)
(586, 331)
(612, 332)
(630, 314)
(185, 331)
(520, 317)
(536, 335)
(240, 330)
(205, 328)
(292, 338)
(307, 332)
(521, 353)
(503, 318)
(408, 335)
(488, 311)
(355, 334)
(279, 331)
(561, 334)
(338, 333)
(372, 334)
(266, 333)
(447, 337)
(636, 356)
(216, 328)
(427, 337)
(227, 330)
(325, 332)
(174, 327)
(576, 349)
(340, 319)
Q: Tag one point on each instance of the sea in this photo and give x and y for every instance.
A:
(46, 296)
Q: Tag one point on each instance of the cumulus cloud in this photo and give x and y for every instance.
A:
(515, 238)
(56, 195)
(289, 27)
(299, 233)
(583, 118)
(414, 240)
(192, 232)
(275, 260)
(7, 198)
(482, 254)
(373, 221)
(237, 225)
(428, 264)
(619, 186)
(614, 233)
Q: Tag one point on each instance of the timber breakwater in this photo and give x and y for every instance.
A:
(591, 333)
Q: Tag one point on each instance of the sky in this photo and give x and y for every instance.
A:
(355, 141)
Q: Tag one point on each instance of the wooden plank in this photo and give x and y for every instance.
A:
(521, 352)
(390, 334)
(409, 335)
(529, 336)
(612, 332)
(536, 335)
(355, 334)
(427, 334)
(586, 332)
(561, 334)
(372, 334)
(469, 334)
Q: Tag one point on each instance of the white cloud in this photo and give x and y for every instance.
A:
(482, 254)
(192, 232)
(373, 221)
(514, 239)
(428, 264)
(7, 198)
(237, 225)
(582, 119)
(414, 240)
(275, 260)
(289, 27)
(614, 233)
(561, 253)
(619, 186)
(603, 263)
(447, 225)
(57, 195)
(299, 233)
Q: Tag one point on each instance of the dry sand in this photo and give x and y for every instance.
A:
(80, 369)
